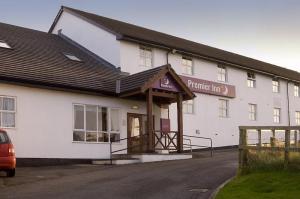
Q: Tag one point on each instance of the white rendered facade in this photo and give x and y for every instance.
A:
(205, 117)
(44, 118)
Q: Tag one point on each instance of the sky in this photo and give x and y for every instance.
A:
(267, 30)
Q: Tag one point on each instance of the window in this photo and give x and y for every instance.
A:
(276, 115)
(91, 124)
(252, 112)
(222, 74)
(188, 107)
(296, 90)
(145, 56)
(297, 117)
(251, 82)
(7, 112)
(223, 108)
(72, 57)
(187, 65)
(3, 44)
(275, 85)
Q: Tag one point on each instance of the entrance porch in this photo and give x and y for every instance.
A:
(158, 87)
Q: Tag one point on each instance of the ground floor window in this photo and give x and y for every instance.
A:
(94, 123)
(7, 112)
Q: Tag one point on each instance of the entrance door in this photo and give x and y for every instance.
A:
(137, 124)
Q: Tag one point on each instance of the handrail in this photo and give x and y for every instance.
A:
(205, 138)
(191, 148)
(110, 146)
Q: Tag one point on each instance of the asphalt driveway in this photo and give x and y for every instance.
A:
(195, 178)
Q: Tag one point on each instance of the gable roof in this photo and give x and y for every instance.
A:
(142, 81)
(37, 58)
(126, 31)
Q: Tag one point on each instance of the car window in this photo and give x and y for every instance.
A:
(3, 138)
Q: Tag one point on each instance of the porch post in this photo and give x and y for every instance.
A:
(180, 124)
(150, 120)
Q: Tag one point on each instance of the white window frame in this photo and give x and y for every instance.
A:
(251, 80)
(276, 115)
(252, 108)
(275, 86)
(222, 74)
(296, 90)
(297, 117)
(144, 56)
(108, 132)
(186, 67)
(223, 108)
(6, 111)
(187, 106)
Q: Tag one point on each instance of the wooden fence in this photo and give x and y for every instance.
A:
(270, 140)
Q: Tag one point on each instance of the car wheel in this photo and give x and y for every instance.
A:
(11, 173)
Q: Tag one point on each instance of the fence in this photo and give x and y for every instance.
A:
(269, 147)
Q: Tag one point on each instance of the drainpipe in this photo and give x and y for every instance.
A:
(173, 51)
(288, 103)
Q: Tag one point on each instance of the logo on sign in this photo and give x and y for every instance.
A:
(165, 83)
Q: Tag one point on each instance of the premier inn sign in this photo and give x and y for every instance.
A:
(209, 87)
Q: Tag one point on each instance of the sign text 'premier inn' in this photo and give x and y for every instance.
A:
(209, 87)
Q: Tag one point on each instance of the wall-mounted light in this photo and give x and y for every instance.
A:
(135, 107)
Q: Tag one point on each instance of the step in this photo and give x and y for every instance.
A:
(116, 161)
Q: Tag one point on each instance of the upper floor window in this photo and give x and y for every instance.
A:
(145, 56)
(251, 82)
(276, 115)
(95, 124)
(275, 86)
(223, 108)
(296, 90)
(187, 65)
(222, 74)
(252, 112)
(3, 44)
(297, 117)
(7, 112)
(188, 106)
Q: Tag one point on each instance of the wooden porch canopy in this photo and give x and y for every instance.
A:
(161, 86)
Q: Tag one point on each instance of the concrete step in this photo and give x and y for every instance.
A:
(120, 159)
(116, 161)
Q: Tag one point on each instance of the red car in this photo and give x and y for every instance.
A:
(7, 155)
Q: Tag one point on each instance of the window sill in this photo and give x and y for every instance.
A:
(187, 74)
(9, 128)
(189, 113)
(82, 142)
(145, 66)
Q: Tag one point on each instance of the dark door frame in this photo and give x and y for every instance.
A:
(143, 140)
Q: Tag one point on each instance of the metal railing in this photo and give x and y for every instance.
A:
(168, 141)
(198, 146)
(123, 149)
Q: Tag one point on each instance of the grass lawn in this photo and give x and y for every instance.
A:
(266, 185)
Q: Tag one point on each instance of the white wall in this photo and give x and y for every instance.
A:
(95, 39)
(44, 123)
(224, 131)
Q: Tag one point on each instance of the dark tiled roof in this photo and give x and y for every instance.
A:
(37, 57)
(137, 80)
(129, 31)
